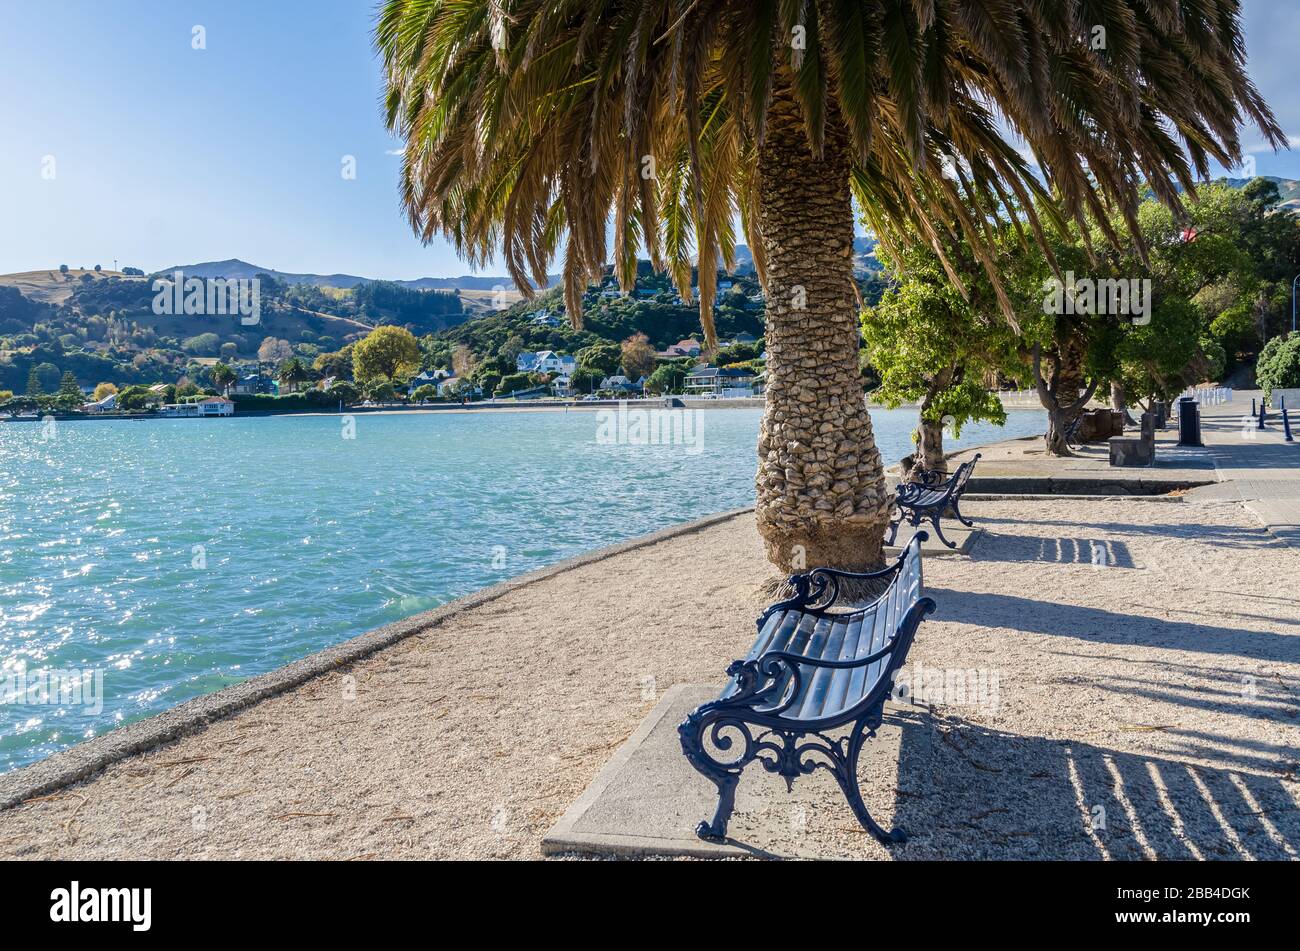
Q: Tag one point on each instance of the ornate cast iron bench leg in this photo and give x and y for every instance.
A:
(893, 527)
(691, 733)
(846, 774)
(934, 520)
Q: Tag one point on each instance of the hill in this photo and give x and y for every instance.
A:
(235, 268)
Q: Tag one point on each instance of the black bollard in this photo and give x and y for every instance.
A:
(1253, 411)
(1261, 415)
(1286, 423)
(1189, 422)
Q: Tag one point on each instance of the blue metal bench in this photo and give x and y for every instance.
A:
(931, 497)
(817, 665)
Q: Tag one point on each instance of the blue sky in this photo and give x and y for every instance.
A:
(166, 155)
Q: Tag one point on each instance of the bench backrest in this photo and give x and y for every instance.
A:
(844, 635)
(963, 475)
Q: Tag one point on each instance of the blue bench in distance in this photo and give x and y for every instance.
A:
(930, 498)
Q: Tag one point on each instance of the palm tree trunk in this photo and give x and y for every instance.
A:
(822, 499)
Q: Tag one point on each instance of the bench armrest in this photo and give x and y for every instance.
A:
(920, 609)
(819, 589)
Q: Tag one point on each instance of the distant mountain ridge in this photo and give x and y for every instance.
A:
(235, 268)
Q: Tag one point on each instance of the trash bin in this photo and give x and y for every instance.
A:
(1189, 422)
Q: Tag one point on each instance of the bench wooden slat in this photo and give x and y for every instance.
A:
(839, 686)
(818, 680)
(798, 644)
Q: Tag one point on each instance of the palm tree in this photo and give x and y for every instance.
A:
(292, 372)
(531, 125)
(223, 377)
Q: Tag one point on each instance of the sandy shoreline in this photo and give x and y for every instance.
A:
(469, 738)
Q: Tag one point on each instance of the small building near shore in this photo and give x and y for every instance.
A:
(212, 406)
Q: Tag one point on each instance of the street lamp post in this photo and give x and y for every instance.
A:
(1297, 278)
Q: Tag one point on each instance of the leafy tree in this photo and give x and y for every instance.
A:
(735, 117)
(386, 353)
(274, 351)
(425, 393)
(638, 357)
(63, 269)
(337, 364)
(603, 358)
(344, 391)
(104, 390)
(933, 348)
(667, 378)
(515, 382)
(1279, 365)
(203, 345)
(586, 379)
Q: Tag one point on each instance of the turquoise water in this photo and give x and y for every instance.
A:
(175, 557)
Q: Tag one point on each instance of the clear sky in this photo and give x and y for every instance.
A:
(164, 154)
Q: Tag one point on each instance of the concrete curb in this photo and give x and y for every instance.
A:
(1075, 485)
(85, 759)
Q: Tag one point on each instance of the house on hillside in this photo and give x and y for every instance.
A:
(684, 348)
(544, 318)
(618, 384)
(724, 383)
(562, 386)
(426, 378)
(546, 361)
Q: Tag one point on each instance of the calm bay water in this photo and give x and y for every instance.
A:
(179, 556)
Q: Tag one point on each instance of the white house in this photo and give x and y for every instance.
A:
(562, 386)
(546, 361)
(618, 383)
(109, 402)
(723, 383)
(212, 406)
(544, 318)
(425, 378)
(447, 384)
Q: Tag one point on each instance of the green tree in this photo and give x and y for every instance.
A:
(531, 127)
(603, 358)
(1279, 365)
(667, 378)
(935, 349)
(68, 387)
(386, 353)
(34, 383)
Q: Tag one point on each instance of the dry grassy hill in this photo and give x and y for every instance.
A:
(50, 287)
